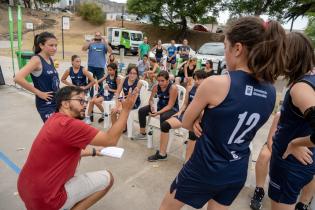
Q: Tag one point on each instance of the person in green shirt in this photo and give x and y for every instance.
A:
(144, 48)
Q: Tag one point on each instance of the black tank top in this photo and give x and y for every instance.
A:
(159, 52)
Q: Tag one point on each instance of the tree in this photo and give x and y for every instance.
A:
(300, 8)
(92, 13)
(273, 8)
(310, 30)
(173, 13)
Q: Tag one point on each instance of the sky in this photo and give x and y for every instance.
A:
(299, 24)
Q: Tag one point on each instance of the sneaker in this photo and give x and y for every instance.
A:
(141, 136)
(102, 118)
(256, 201)
(157, 157)
(87, 120)
(301, 206)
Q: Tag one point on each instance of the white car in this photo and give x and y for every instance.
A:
(213, 51)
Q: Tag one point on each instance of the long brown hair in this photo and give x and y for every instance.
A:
(300, 57)
(265, 44)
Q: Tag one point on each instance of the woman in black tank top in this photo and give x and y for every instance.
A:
(189, 69)
(159, 49)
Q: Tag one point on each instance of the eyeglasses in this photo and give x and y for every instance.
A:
(81, 101)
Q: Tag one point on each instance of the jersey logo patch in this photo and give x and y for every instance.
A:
(251, 91)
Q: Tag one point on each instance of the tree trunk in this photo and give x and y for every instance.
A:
(292, 22)
(183, 32)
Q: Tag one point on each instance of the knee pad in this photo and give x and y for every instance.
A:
(165, 127)
(192, 136)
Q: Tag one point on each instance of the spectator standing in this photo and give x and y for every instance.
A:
(97, 50)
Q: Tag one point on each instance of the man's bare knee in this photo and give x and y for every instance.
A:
(111, 181)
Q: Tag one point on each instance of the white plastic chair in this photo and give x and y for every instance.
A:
(181, 98)
(143, 95)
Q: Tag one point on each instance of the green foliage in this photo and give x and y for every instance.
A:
(273, 8)
(92, 13)
(173, 13)
(310, 30)
(208, 20)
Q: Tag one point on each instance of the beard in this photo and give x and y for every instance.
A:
(77, 113)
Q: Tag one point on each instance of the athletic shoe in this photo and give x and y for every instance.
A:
(301, 206)
(102, 118)
(87, 120)
(256, 201)
(157, 157)
(141, 136)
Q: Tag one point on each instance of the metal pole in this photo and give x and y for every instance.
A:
(122, 16)
(11, 37)
(63, 51)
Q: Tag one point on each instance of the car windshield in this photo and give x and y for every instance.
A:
(136, 37)
(212, 49)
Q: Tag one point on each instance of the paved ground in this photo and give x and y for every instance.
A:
(138, 184)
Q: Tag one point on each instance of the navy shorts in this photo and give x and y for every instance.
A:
(46, 113)
(172, 61)
(286, 182)
(197, 194)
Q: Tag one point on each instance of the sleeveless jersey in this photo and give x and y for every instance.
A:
(164, 96)
(221, 154)
(292, 125)
(192, 94)
(78, 79)
(112, 85)
(48, 81)
(126, 88)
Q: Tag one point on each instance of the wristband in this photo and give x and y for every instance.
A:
(312, 137)
(93, 152)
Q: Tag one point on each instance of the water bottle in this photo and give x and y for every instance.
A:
(155, 104)
(105, 90)
(150, 138)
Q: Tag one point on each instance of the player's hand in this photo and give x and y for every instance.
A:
(130, 100)
(301, 153)
(45, 95)
(197, 127)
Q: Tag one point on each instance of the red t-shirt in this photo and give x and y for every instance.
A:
(52, 161)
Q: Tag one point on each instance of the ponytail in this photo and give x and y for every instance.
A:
(41, 39)
(300, 57)
(265, 44)
(114, 67)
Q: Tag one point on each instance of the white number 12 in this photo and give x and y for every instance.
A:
(251, 122)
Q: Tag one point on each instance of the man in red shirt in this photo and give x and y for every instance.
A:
(48, 180)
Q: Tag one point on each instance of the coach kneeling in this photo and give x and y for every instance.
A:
(47, 180)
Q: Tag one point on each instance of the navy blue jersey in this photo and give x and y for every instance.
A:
(192, 94)
(126, 88)
(112, 84)
(78, 79)
(292, 125)
(164, 97)
(48, 81)
(221, 154)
